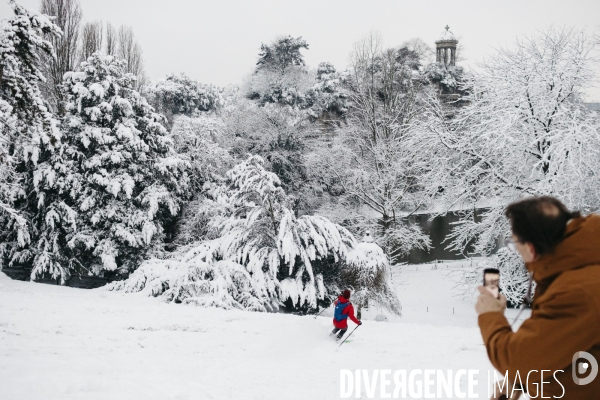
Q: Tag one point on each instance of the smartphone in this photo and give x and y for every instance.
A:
(491, 281)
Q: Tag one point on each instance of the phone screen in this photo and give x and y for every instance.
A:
(491, 281)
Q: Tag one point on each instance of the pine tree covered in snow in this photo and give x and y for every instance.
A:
(271, 255)
(28, 130)
(282, 54)
(103, 197)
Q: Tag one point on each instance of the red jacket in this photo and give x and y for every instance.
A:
(349, 310)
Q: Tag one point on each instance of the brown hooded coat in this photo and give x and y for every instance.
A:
(565, 318)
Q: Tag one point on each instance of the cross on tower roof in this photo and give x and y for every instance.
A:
(447, 27)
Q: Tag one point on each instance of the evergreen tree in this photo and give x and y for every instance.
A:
(271, 256)
(27, 129)
(103, 198)
(282, 54)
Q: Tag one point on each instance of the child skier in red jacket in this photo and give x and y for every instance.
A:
(343, 311)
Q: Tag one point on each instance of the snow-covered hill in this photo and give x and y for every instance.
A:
(63, 343)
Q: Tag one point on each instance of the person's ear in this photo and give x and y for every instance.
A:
(532, 251)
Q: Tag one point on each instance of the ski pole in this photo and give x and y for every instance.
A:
(322, 311)
(349, 335)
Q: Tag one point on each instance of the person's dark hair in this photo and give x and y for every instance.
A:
(346, 294)
(540, 221)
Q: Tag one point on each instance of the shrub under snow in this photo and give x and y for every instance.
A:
(367, 270)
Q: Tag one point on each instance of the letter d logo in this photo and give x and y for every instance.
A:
(591, 362)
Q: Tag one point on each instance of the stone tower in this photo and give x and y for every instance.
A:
(446, 48)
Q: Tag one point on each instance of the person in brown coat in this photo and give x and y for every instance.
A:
(561, 251)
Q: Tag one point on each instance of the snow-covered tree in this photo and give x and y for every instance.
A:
(286, 256)
(327, 94)
(204, 143)
(283, 258)
(279, 123)
(277, 133)
(103, 197)
(524, 131)
(281, 76)
(283, 53)
(367, 271)
(448, 77)
(27, 129)
(179, 94)
(370, 161)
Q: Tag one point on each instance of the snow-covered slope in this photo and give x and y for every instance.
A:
(64, 343)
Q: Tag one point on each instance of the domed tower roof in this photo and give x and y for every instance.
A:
(446, 48)
(447, 37)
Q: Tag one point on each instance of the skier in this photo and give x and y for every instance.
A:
(343, 310)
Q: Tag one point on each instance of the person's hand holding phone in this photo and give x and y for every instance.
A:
(486, 302)
(491, 281)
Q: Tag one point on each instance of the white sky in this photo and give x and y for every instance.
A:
(218, 41)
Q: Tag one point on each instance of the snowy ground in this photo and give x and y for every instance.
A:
(64, 343)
